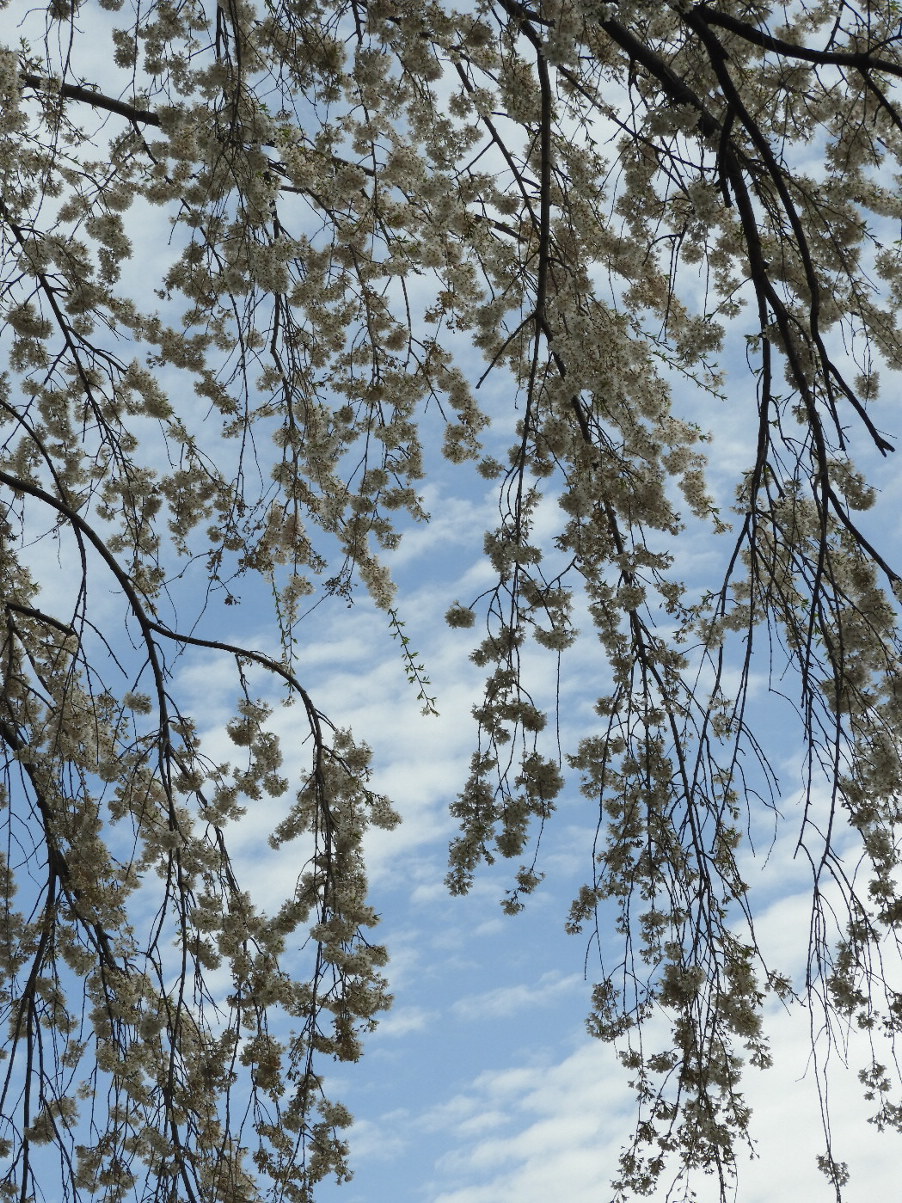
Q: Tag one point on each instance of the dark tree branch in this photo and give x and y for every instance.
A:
(89, 95)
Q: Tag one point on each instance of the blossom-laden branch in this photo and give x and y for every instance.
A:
(361, 193)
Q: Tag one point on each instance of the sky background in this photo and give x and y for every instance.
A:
(481, 1084)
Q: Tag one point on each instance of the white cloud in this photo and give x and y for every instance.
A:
(558, 1143)
(507, 1000)
(381, 1140)
(554, 1129)
(404, 1021)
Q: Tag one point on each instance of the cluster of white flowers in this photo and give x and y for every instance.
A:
(11, 117)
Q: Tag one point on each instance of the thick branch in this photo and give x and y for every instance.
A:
(863, 60)
(41, 83)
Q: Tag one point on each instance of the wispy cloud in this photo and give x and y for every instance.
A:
(507, 1000)
(406, 1020)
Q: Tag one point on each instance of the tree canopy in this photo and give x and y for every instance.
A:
(382, 213)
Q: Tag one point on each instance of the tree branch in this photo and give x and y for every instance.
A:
(864, 61)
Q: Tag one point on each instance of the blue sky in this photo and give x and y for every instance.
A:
(481, 1085)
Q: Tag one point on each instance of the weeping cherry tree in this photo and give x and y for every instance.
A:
(379, 213)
